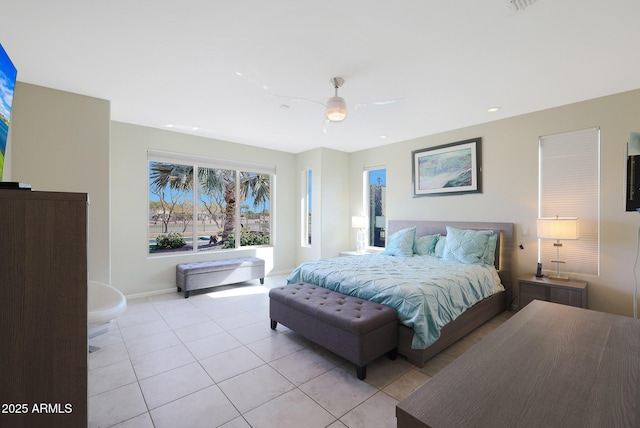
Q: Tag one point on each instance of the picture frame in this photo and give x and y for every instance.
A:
(449, 169)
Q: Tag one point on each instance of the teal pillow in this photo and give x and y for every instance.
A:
(466, 245)
(489, 256)
(401, 243)
(425, 245)
(439, 250)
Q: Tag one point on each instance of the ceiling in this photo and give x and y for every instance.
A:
(243, 71)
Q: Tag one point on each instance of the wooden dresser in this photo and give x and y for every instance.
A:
(43, 309)
(549, 365)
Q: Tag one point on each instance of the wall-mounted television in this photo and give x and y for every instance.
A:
(8, 75)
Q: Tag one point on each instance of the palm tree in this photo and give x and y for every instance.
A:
(212, 182)
(175, 177)
(258, 186)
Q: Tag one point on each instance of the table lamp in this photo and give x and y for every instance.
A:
(360, 223)
(558, 228)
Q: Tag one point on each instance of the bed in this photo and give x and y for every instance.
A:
(425, 329)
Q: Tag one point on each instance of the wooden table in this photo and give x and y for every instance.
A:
(549, 365)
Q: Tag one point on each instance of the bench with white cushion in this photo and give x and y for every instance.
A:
(198, 275)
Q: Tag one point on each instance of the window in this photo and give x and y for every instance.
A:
(375, 180)
(569, 186)
(307, 184)
(203, 206)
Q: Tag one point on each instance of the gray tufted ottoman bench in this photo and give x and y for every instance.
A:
(197, 275)
(356, 329)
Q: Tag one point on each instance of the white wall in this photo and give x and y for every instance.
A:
(137, 273)
(60, 142)
(510, 186)
(6, 169)
(310, 160)
(336, 215)
(330, 204)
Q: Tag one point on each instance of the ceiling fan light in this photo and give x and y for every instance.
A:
(336, 109)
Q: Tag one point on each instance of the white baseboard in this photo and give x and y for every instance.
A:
(280, 272)
(151, 293)
(174, 289)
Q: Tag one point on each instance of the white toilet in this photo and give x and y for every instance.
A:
(105, 303)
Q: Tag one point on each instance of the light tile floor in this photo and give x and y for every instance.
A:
(212, 360)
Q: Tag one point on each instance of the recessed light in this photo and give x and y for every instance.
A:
(382, 137)
(493, 109)
(169, 126)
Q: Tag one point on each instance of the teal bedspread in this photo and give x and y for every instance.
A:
(426, 291)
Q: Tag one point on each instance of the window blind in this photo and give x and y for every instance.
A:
(206, 162)
(569, 186)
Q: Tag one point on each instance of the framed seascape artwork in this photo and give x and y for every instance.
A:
(450, 169)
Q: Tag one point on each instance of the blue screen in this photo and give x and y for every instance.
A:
(8, 75)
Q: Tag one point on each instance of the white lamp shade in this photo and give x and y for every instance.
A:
(558, 228)
(336, 109)
(358, 222)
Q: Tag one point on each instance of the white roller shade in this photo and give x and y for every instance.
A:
(206, 162)
(569, 186)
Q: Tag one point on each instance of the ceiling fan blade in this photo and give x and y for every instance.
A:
(254, 78)
(297, 99)
(325, 123)
(374, 104)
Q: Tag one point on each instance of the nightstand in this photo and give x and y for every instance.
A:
(566, 292)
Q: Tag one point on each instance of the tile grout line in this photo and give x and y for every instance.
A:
(163, 309)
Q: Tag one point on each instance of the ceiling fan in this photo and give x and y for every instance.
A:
(336, 106)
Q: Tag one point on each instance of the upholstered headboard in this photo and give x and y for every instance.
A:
(504, 247)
